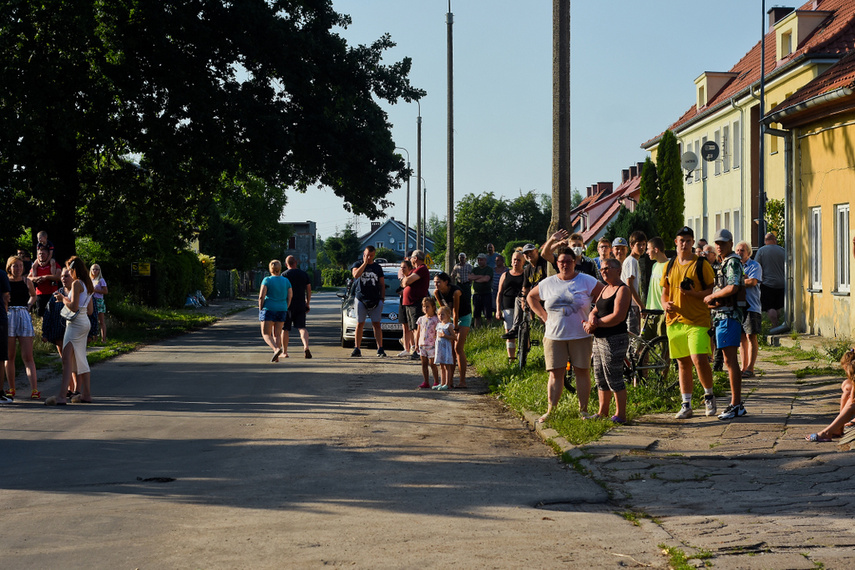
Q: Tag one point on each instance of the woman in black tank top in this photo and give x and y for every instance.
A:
(510, 291)
(22, 296)
(607, 322)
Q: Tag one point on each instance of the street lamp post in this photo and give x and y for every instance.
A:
(407, 222)
(419, 175)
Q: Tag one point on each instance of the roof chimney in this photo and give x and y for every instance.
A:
(624, 176)
(777, 13)
(633, 171)
(375, 226)
(605, 187)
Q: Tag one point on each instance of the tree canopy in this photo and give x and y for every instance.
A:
(145, 106)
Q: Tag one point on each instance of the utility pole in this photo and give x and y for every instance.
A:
(761, 175)
(419, 179)
(561, 192)
(449, 241)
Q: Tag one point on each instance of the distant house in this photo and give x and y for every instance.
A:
(390, 234)
(303, 244)
(601, 205)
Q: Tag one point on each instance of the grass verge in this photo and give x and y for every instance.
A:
(526, 389)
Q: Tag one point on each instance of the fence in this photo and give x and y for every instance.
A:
(231, 284)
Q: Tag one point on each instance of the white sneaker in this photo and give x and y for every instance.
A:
(709, 403)
(403, 353)
(4, 399)
(684, 413)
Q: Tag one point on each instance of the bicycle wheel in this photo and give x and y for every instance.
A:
(523, 346)
(654, 365)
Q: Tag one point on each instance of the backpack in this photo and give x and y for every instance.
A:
(738, 298)
(699, 269)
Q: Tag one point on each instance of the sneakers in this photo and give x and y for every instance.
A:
(4, 399)
(356, 352)
(381, 353)
(510, 335)
(732, 411)
(403, 353)
(10, 393)
(709, 404)
(684, 413)
(308, 353)
(415, 356)
(36, 395)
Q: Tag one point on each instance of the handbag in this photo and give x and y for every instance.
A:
(68, 314)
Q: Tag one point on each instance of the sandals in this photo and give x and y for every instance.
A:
(815, 438)
(36, 395)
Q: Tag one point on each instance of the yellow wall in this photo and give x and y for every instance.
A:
(825, 154)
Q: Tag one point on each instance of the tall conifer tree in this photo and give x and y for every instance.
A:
(671, 197)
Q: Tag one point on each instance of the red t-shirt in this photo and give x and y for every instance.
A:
(413, 294)
(45, 287)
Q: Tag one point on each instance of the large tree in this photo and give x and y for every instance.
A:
(671, 198)
(192, 90)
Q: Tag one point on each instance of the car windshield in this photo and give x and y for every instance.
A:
(392, 284)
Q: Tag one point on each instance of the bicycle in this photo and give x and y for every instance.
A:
(524, 340)
(648, 362)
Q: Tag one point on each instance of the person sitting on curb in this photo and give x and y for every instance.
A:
(847, 403)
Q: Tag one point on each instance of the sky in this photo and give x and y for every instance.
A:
(633, 66)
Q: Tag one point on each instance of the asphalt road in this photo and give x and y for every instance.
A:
(198, 452)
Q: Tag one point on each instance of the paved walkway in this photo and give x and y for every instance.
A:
(751, 491)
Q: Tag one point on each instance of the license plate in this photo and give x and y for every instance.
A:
(390, 327)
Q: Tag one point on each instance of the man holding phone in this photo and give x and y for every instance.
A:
(686, 281)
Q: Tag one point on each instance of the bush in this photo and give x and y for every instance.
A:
(334, 277)
(177, 275)
(209, 267)
(513, 245)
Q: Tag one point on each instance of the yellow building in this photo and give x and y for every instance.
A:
(724, 193)
(817, 132)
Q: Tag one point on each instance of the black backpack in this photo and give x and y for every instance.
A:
(699, 269)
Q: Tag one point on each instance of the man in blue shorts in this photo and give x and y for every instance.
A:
(727, 303)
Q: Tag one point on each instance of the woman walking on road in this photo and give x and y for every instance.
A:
(273, 300)
(77, 326)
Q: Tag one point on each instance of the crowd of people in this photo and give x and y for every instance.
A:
(69, 302)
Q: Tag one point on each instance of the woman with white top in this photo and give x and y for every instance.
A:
(76, 331)
(563, 302)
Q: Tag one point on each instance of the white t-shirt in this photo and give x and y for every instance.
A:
(567, 304)
(630, 269)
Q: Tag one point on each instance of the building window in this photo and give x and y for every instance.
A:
(737, 227)
(717, 222)
(727, 220)
(841, 247)
(720, 153)
(699, 230)
(725, 148)
(698, 154)
(786, 44)
(773, 140)
(379, 244)
(703, 162)
(737, 144)
(400, 246)
(816, 248)
(292, 242)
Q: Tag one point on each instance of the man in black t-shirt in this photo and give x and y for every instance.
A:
(535, 271)
(301, 285)
(370, 294)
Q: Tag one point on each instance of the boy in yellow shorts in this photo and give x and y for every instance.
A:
(686, 281)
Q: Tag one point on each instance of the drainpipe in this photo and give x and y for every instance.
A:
(789, 195)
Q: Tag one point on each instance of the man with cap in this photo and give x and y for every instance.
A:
(620, 248)
(771, 258)
(482, 277)
(725, 301)
(535, 272)
(686, 282)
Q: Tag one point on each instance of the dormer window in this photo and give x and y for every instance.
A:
(792, 30)
(709, 84)
(786, 44)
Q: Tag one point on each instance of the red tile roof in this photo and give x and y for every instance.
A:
(832, 38)
(841, 74)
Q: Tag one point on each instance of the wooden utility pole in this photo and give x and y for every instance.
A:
(561, 193)
(449, 243)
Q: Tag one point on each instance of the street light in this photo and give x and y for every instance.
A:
(407, 222)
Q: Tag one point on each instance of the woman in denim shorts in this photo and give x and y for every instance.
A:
(273, 300)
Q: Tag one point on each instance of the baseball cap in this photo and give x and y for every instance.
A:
(723, 235)
(528, 247)
(686, 231)
(619, 242)
(481, 256)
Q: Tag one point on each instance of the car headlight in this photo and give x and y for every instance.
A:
(393, 316)
(350, 312)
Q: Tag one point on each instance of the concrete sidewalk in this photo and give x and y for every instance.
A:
(750, 491)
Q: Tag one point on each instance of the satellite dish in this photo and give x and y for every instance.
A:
(709, 150)
(689, 161)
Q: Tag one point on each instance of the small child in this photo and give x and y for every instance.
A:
(445, 338)
(43, 240)
(426, 335)
(847, 403)
(98, 297)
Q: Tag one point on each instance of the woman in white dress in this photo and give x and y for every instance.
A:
(76, 330)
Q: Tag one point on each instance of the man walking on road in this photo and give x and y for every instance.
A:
(688, 279)
(725, 301)
(771, 258)
(301, 284)
(370, 295)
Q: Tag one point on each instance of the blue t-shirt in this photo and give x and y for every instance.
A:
(752, 294)
(276, 298)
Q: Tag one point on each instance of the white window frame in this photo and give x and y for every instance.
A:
(737, 227)
(698, 154)
(704, 163)
(815, 248)
(725, 148)
(841, 248)
(717, 139)
(379, 244)
(717, 221)
(726, 221)
(737, 144)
